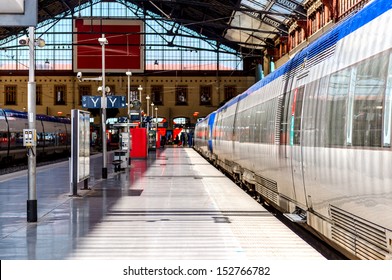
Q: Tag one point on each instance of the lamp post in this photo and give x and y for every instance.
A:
(103, 41)
(156, 117)
(31, 112)
(31, 42)
(152, 114)
(148, 105)
(129, 74)
(140, 97)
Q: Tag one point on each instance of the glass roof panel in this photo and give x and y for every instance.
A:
(280, 9)
(255, 4)
(245, 21)
(255, 26)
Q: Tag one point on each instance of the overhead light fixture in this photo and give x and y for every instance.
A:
(103, 41)
(39, 42)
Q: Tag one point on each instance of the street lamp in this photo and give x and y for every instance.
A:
(140, 97)
(129, 74)
(156, 117)
(152, 114)
(148, 105)
(103, 41)
(31, 42)
(32, 211)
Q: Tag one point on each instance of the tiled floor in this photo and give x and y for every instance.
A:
(174, 205)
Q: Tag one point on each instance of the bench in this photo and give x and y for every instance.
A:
(117, 165)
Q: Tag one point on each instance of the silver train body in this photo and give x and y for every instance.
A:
(313, 138)
(53, 136)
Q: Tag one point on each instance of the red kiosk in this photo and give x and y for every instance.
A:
(139, 143)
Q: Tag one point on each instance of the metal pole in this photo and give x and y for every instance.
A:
(129, 115)
(104, 142)
(140, 93)
(152, 114)
(156, 117)
(74, 152)
(148, 105)
(140, 99)
(129, 96)
(31, 111)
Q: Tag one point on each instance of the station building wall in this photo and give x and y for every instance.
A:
(57, 95)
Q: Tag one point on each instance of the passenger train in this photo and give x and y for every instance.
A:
(313, 138)
(53, 136)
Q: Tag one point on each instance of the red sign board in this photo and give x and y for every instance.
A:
(124, 51)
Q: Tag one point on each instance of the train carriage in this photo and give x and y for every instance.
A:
(53, 135)
(313, 138)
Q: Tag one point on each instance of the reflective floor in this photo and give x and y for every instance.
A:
(174, 205)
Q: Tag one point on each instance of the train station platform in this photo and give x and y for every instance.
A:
(174, 205)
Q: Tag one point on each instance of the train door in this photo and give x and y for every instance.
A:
(296, 153)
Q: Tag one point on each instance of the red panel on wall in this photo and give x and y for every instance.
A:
(122, 53)
(139, 143)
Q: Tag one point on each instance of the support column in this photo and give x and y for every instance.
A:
(31, 113)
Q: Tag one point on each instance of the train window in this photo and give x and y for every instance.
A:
(247, 124)
(266, 113)
(298, 102)
(242, 126)
(252, 125)
(309, 128)
(271, 108)
(220, 132)
(19, 139)
(368, 102)
(321, 112)
(258, 112)
(231, 135)
(285, 114)
(388, 107)
(228, 127)
(3, 139)
(338, 89)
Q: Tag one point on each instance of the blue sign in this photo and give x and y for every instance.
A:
(91, 102)
(112, 101)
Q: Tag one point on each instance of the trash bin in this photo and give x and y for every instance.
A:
(152, 140)
(119, 160)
